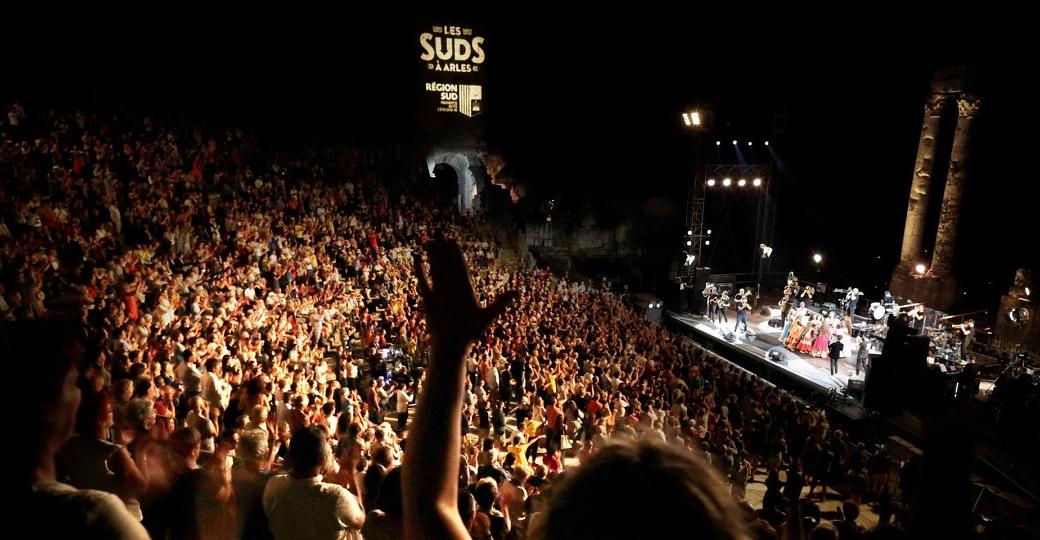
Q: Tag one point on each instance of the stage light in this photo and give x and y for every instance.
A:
(690, 259)
(767, 143)
(757, 182)
(726, 182)
(766, 251)
(920, 268)
(651, 306)
(1027, 292)
(711, 182)
(734, 141)
(659, 304)
(707, 242)
(817, 258)
(689, 233)
(749, 143)
(689, 242)
(718, 143)
(692, 119)
(709, 231)
(741, 182)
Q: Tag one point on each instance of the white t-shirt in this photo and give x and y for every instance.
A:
(311, 509)
(402, 401)
(56, 510)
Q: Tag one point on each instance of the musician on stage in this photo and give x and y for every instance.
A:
(722, 307)
(790, 292)
(968, 332)
(916, 316)
(862, 353)
(807, 294)
(743, 308)
(851, 298)
(834, 353)
(710, 293)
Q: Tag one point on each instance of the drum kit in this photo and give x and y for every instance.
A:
(879, 311)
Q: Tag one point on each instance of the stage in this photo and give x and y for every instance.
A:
(815, 372)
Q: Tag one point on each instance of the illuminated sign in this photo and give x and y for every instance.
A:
(452, 49)
(453, 57)
(462, 98)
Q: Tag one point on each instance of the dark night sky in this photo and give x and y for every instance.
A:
(586, 104)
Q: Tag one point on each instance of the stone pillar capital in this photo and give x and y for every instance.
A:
(968, 106)
(933, 105)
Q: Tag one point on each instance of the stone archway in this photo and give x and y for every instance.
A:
(463, 163)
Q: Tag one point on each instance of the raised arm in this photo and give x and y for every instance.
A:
(454, 320)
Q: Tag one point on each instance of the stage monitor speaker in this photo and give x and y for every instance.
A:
(778, 355)
(749, 337)
(776, 323)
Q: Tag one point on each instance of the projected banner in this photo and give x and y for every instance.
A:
(452, 57)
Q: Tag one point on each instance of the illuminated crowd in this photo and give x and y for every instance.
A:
(255, 347)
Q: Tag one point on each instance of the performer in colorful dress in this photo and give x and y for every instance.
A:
(823, 340)
(795, 335)
(805, 344)
(790, 318)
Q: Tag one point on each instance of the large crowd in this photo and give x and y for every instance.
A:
(255, 344)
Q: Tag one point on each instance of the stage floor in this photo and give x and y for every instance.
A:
(767, 338)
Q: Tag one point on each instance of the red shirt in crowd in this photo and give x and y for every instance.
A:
(130, 302)
(593, 408)
(553, 415)
(552, 463)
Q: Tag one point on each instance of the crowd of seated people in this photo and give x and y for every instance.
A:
(238, 305)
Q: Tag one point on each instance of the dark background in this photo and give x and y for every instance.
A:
(585, 106)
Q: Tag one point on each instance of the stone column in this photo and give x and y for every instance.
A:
(917, 210)
(946, 236)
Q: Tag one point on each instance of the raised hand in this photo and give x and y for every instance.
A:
(454, 317)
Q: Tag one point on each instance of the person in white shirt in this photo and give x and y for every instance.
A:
(301, 505)
(213, 387)
(188, 374)
(403, 400)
